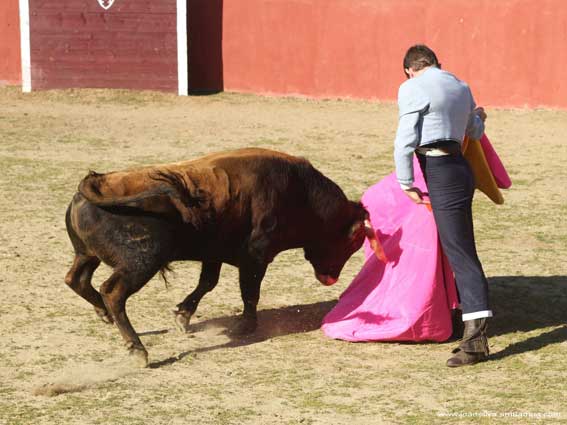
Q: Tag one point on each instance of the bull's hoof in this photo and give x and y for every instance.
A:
(244, 327)
(104, 316)
(182, 320)
(138, 356)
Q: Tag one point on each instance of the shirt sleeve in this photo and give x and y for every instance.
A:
(475, 126)
(412, 103)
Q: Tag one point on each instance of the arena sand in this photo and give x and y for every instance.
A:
(60, 365)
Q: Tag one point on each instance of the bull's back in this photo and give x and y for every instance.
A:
(256, 170)
(245, 155)
(257, 180)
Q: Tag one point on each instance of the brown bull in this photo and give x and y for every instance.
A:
(241, 208)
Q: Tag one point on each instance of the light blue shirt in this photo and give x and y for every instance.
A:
(433, 106)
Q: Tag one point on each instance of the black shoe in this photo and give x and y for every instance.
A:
(474, 346)
(462, 358)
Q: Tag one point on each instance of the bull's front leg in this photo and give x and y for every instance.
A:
(209, 278)
(251, 273)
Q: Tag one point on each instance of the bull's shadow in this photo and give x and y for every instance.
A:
(272, 323)
(520, 304)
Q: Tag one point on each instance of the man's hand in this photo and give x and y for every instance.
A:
(416, 195)
(481, 113)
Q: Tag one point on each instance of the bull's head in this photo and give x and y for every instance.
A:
(329, 254)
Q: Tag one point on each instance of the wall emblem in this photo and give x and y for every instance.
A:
(106, 4)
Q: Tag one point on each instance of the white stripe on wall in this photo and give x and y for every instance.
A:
(182, 75)
(25, 45)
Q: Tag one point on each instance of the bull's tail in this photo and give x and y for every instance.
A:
(162, 192)
(91, 190)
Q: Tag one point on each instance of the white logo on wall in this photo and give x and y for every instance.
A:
(106, 4)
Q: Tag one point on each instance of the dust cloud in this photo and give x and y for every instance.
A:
(81, 377)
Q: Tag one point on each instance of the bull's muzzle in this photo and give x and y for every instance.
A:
(374, 241)
(326, 279)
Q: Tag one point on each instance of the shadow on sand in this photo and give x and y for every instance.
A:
(520, 304)
(272, 323)
(528, 303)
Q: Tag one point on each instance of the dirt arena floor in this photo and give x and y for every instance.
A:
(59, 364)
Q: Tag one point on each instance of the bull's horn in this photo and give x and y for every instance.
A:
(374, 241)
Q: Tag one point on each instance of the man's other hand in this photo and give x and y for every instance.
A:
(481, 113)
(416, 195)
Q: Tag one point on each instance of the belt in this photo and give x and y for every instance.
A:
(432, 152)
(443, 148)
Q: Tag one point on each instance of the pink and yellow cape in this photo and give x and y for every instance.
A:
(410, 297)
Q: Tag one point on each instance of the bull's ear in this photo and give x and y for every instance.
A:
(358, 212)
(355, 228)
(357, 216)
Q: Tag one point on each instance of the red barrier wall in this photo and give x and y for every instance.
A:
(204, 34)
(76, 43)
(10, 61)
(512, 52)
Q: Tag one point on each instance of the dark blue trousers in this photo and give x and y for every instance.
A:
(450, 183)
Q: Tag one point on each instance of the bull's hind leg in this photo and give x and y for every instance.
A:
(79, 280)
(207, 281)
(80, 275)
(115, 291)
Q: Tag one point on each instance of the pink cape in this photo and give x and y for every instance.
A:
(410, 298)
(496, 167)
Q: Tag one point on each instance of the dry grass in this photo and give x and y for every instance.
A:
(51, 343)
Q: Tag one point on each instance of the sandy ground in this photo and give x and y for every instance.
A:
(60, 365)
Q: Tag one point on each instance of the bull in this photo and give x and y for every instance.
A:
(240, 207)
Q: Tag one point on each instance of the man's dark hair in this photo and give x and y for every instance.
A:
(420, 56)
